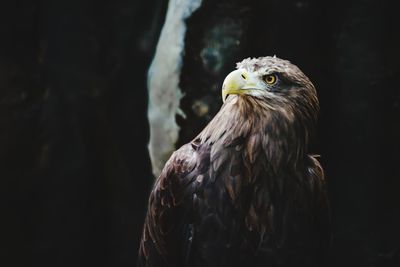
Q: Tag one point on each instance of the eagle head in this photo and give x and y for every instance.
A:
(277, 84)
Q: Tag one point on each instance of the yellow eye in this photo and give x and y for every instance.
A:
(270, 79)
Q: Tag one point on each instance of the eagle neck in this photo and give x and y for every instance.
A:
(261, 131)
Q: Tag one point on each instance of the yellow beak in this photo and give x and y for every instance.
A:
(239, 82)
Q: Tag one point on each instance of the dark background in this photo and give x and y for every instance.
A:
(74, 168)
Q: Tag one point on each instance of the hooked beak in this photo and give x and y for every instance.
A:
(239, 82)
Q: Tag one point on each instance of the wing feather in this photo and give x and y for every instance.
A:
(204, 198)
(164, 220)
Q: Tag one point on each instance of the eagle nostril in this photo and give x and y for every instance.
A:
(243, 76)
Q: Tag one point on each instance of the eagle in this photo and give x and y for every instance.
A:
(245, 191)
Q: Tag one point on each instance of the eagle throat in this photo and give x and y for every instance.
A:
(268, 131)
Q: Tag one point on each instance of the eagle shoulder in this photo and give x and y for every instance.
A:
(165, 216)
(317, 181)
(321, 208)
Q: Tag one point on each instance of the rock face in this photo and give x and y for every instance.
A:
(74, 168)
(163, 83)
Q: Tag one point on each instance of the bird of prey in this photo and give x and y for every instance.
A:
(245, 191)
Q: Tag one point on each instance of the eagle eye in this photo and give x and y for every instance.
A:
(270, 79)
